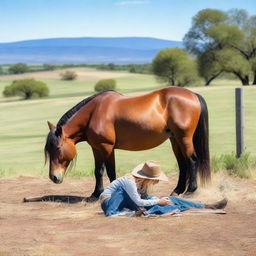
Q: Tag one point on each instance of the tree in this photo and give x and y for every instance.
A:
(214, 32)
(18, 68)
(48, 67)
(174, 67)
(26, 88)
(105, 85)
(197, 40)
(234, 63)
(208, 66)
(68, 75)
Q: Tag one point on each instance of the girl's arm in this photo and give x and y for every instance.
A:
(131, 189)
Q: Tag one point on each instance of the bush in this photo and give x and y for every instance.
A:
(105, 85)
(234, 166)
(18, 68)
(26, 88)
(68, 75)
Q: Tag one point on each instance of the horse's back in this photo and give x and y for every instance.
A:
(144, 121)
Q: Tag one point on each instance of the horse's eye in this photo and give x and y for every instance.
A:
(58, 148)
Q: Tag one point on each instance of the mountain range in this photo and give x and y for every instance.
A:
(119, 50)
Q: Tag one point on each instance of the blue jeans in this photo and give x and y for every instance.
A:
(178, 204)
(120, 200)
(117, 202)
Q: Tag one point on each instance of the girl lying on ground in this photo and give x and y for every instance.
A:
(131, 194)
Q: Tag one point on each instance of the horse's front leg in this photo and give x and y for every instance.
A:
(98, 172)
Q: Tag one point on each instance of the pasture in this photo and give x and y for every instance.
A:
(24, 128)
(57, 228)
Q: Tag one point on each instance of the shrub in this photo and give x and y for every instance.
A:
(26, 88)
(234, 166)
(68, 75)
(105, 85)
(18, 68)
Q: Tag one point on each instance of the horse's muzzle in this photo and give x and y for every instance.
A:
(56, 178)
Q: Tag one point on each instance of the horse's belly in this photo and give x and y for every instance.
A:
(136, 140)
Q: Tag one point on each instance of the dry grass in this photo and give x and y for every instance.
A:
(52, 228)
(83, 74)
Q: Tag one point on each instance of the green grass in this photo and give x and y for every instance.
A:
(24, 128)
(241, 167)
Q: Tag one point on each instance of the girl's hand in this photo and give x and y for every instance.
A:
(164, 201)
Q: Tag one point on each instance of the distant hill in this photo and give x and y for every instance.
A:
(84, 50)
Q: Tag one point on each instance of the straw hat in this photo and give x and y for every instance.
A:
(149, 170)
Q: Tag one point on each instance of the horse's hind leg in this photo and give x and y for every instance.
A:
(192, 185)
(181, 185)
(111, 166)
(184, 151)
(187, 147)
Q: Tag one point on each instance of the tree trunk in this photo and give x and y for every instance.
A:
(171, 82)
(244, 80)
(254, 79)
(28, 95)
(212, 78)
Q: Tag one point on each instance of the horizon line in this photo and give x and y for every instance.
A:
(77, 37)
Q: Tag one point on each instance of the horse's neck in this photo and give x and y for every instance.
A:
(76, 126)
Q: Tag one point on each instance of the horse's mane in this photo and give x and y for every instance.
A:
(63, 120)
(52, 138)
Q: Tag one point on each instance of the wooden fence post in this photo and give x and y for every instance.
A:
(239, 121)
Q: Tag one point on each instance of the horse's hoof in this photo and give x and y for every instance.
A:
(91, 199)
(191, 190)
(174, 193)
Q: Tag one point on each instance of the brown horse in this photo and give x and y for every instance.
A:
(109, 121)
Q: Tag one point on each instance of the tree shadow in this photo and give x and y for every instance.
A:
(56, 198)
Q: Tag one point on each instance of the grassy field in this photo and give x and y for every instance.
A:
(24, 129)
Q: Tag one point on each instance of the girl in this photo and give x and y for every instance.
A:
(125, 193)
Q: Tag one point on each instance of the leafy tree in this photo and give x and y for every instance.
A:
(253, 65)
(213, 32)
(105, 85)
(48, 67)
(173, 66)
(18, 68)
(197, 40)
(234, 63)
(208, 66)
(26, 88)
(111, 66)
(68, 75)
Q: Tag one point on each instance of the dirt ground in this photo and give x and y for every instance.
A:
(66, 228)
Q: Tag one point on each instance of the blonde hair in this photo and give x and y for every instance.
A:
(145, 185)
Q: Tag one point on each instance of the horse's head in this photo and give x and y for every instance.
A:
(60, 150)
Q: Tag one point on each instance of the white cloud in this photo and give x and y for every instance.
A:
(131, 2)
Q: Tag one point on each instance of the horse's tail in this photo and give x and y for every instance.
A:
(201, 143)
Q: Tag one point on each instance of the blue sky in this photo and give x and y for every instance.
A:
(166, 19)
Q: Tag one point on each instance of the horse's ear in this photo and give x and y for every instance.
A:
(51, 126)
(58, 131)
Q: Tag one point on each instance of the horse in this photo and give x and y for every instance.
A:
(109, 120)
